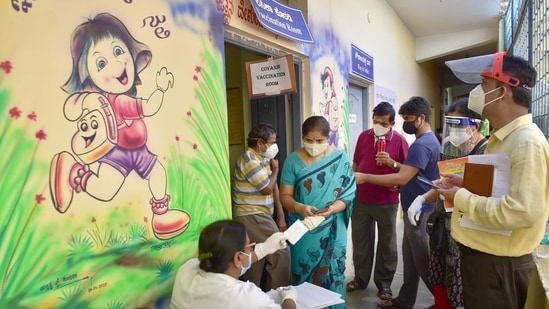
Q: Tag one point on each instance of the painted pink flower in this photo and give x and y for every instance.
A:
(197, 69)
(195, 146)
(41, 135)
(195, 78)
(145, 219)
(93, 220)
(15, 112)
(177, 138)
(32, 116)
(189, 113)
(6, 66)
(39, 198)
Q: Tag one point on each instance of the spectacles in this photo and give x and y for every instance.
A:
(270, 143)
(248, 246)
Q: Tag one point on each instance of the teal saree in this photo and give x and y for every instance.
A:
(319, 256)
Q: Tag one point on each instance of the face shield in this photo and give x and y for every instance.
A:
(472, 70)
(458, 136)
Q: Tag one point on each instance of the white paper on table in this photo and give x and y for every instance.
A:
(295, 232)
(502, 175)
(310, 296)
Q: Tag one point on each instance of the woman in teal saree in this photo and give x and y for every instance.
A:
(318, 180)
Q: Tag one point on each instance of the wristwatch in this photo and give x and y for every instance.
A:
(394, 164)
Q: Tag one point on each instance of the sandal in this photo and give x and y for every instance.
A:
(354, 285)
(390, 304)
(385, 294)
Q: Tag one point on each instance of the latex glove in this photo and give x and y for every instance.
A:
(272, 244)
(287, 292)
(415, 209)
(312, 222)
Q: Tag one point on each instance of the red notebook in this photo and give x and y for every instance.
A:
(479, 178)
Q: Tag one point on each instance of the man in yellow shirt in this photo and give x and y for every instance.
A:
(497, 268)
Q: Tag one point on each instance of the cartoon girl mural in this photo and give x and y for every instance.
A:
(111, 136)
(329, 108)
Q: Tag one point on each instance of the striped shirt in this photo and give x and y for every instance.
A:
(251, 175)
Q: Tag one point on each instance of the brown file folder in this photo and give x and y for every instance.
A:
(479, 178)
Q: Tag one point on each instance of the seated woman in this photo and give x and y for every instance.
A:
(224, 254)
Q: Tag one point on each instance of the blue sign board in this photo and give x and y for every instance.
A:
(362, 64)
(283, 20)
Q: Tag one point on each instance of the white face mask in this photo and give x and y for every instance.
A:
(458, 136)
(380, 130)
(246, 268)
(271, 152)
(477, 97)
(315, 149)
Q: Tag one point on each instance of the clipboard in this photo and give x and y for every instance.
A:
(480, 179)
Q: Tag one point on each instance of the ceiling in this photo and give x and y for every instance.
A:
(433, 17)
(455, 21)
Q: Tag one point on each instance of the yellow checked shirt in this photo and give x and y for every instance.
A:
(524, 210)
(251, 175)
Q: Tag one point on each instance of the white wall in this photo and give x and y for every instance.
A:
(374, 27)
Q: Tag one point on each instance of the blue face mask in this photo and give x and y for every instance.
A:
(245, 268)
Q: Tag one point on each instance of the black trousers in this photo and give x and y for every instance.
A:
(491, 281)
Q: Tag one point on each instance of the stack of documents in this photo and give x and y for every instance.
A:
(310, 296)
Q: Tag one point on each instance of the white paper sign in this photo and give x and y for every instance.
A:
(271, 76)
(295, 231)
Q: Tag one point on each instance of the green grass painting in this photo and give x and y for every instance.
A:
(111, 261)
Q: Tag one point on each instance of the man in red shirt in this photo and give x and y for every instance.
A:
(377, 203)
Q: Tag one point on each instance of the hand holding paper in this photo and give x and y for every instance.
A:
(275, 242)
(300, 227)
(313, 221)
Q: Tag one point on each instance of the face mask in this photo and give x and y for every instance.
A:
(477, 97)
(458, 136)
(315, 149)
(271, 152)
(380, 130)
(245, 268)
(409, 127)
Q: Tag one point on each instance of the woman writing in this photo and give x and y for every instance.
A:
(318, 180)
(224, 254)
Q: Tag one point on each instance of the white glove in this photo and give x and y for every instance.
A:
(275, 242)
(415, 209)
(287, 292)
(312, 221)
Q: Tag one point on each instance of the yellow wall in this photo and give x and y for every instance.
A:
(138, 207)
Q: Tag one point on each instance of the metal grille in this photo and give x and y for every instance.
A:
(526, 32)
(540, 60)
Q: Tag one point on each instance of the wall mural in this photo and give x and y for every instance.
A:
(113, 130)
(330, 63)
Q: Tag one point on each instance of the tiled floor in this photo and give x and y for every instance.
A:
(368, 298)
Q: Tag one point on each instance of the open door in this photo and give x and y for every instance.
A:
(272, 110)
